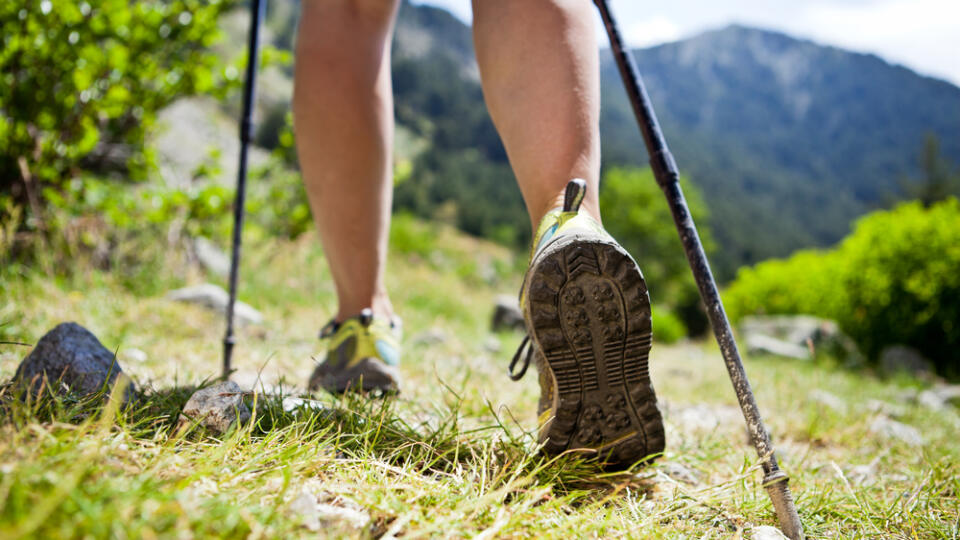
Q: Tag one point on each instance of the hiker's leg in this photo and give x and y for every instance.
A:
(540, 68)
(343, 116)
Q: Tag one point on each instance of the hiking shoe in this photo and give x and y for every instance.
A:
(587, 314)
(362, 355)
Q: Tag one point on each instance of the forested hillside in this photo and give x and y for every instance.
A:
(788, 140)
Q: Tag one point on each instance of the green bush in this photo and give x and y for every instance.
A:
(635, 212)
(667, 327)
(81, 82)
(894, 280)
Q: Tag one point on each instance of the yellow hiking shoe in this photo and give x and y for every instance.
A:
(587, 314)
(362, 355)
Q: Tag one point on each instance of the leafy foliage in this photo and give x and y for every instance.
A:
(894, 280)
(82, 82)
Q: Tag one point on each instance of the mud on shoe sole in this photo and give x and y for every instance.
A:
(589, 313)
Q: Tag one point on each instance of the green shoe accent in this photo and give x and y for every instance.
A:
(362, 355)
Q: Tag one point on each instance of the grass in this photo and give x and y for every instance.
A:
(455, 454)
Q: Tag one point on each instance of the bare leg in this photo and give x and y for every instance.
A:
(343, 110)
(541, 82)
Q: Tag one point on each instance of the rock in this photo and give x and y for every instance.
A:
(940, 397)
(903, 359)
(72, 355)
(890, 429)
(316, 516)
(828, 400)
(434, 336)
(134, 355)
(216, 407)
(761, 344)
(492, 345)
(213, 297)
(766, 532)
(885, 408)
(211, 257)
(704, 417)
(507, 314)
(823, 335)
(863, 474)
(680, 473)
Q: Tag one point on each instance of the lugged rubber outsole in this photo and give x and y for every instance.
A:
(589, 313)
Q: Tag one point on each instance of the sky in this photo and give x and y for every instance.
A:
(923, 35)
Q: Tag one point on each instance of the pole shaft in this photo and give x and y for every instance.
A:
(667, 175)
(258, 8)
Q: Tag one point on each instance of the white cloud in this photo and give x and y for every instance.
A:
(652, 31)
(921, 34)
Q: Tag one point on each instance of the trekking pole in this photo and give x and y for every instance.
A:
(665, 171)
(257, 9)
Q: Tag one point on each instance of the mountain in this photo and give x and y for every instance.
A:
(788, 140)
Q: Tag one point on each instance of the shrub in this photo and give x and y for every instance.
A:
(81, 82)
(894, 280)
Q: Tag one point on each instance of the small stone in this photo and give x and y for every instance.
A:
(680, 473)
(507, 314)
(904, 359)
(434, 336)
(216, 407)
(211, 257)
(950, 394)
(931, 400)
(766, 532)
(135, 356)
(72, 355)
(822, 397)
(215, 298)
(890, 429)
(492, 345)
(885, 408)
(862, 475)
(316, 515)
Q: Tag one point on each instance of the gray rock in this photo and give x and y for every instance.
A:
(507, 314)
(72, 355)
(766, 532)
(940, 397)
(134, 355)
(317, 516)
(433, 336)
(680, 473)
(900, 359)
(216, 407)
(211, 257)
(492, 345)
(828, 400)
(864, 475)
(215, 298)
(822, 335)
(890, 429)
(761, 344)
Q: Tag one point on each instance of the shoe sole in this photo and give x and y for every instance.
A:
(589, 311)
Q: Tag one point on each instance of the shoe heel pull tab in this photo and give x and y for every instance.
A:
(366, 317)
(576, 190)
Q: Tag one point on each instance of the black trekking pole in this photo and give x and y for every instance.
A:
(665, 171)
(257, 9)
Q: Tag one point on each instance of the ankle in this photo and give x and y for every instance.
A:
(379, 303)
